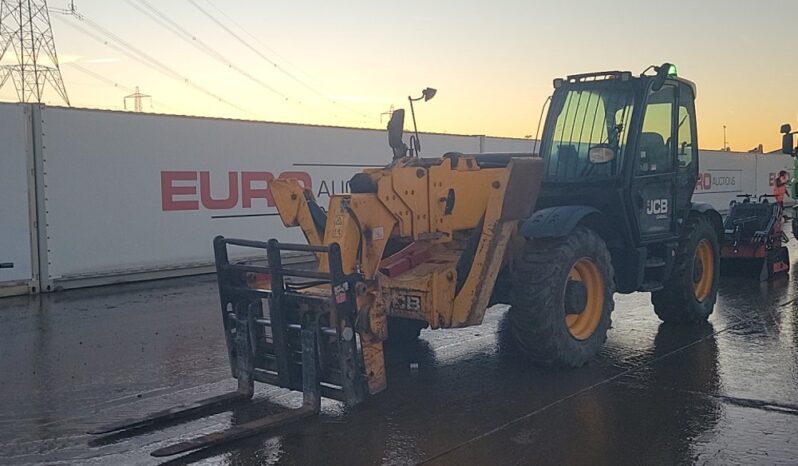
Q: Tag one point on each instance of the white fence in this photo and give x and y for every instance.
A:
(122, 196)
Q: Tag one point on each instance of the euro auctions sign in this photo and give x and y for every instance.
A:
(188, 190)
(719, 181)
(204, 190)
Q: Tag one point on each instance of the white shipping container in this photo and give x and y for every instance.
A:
(132, 193)
(16, 212)
(723, 176)
(126, 196)
(494, 144)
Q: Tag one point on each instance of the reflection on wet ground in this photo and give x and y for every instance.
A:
(723, 392)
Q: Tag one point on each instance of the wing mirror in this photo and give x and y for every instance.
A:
(787, 142)
(663, 71)
(601, 154)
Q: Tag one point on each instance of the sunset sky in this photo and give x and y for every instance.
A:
(344, 63)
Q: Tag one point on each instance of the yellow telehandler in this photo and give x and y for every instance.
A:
(433, 242)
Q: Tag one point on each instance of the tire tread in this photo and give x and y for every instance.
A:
(537, 318)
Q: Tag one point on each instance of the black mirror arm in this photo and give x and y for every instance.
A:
(415, 145)
(400, 152)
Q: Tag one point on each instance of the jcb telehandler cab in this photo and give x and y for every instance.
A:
(432, 242)
(614, 213)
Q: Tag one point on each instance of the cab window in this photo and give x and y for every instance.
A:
(684, 151)
(654, 147)
(585, 118)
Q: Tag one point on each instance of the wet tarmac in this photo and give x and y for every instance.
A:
(721, 393)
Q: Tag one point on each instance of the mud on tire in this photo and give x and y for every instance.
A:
(679, 301)
(538, 312)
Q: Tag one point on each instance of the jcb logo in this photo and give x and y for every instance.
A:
(657, 207)
(406, 302)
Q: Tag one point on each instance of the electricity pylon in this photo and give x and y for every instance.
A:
(137, 98)
(25, 32)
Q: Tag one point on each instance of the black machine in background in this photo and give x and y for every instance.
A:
(754, 237)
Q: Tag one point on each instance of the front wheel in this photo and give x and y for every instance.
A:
(689, 294)
(794, 222)
(562, 298)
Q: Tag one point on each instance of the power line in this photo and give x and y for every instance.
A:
(124, 47)
(262, 44)
(119, 44)
(136, 54)
(109, 82)
(172, 26)
(99, 77)
(253, 49)
(158, 65)
(253, 36)
(249, 46)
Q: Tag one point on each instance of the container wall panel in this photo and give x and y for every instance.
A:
(15, 197)
(130, 192)
(126, 193)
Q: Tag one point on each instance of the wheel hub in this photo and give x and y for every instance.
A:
(584, 298)
(575, 297)
(703, 270)
(698, 269)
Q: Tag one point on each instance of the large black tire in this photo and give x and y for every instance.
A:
(689, 294)
(404, 330)
(541, 277)
(795, 223)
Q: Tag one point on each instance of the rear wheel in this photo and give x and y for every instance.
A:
(562, 298)
(690, 292)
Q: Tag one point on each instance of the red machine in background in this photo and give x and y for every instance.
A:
(754, 237)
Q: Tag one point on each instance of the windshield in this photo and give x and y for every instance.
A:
(585, 118)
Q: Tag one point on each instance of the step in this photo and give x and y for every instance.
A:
(651, 286)
(653, 262)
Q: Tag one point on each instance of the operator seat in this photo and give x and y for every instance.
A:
(656, 153)
(567, 161)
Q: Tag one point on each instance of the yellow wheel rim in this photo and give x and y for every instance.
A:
(703, 270)
(582, 325)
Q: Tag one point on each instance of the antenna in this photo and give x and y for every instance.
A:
(725, 142)
(25, 30)
(137, 99)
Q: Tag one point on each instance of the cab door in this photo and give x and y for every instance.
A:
(686, 151)
(653, 184)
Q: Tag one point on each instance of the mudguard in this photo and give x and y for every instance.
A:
(701, 207)
(555, 222)
(704, 208)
